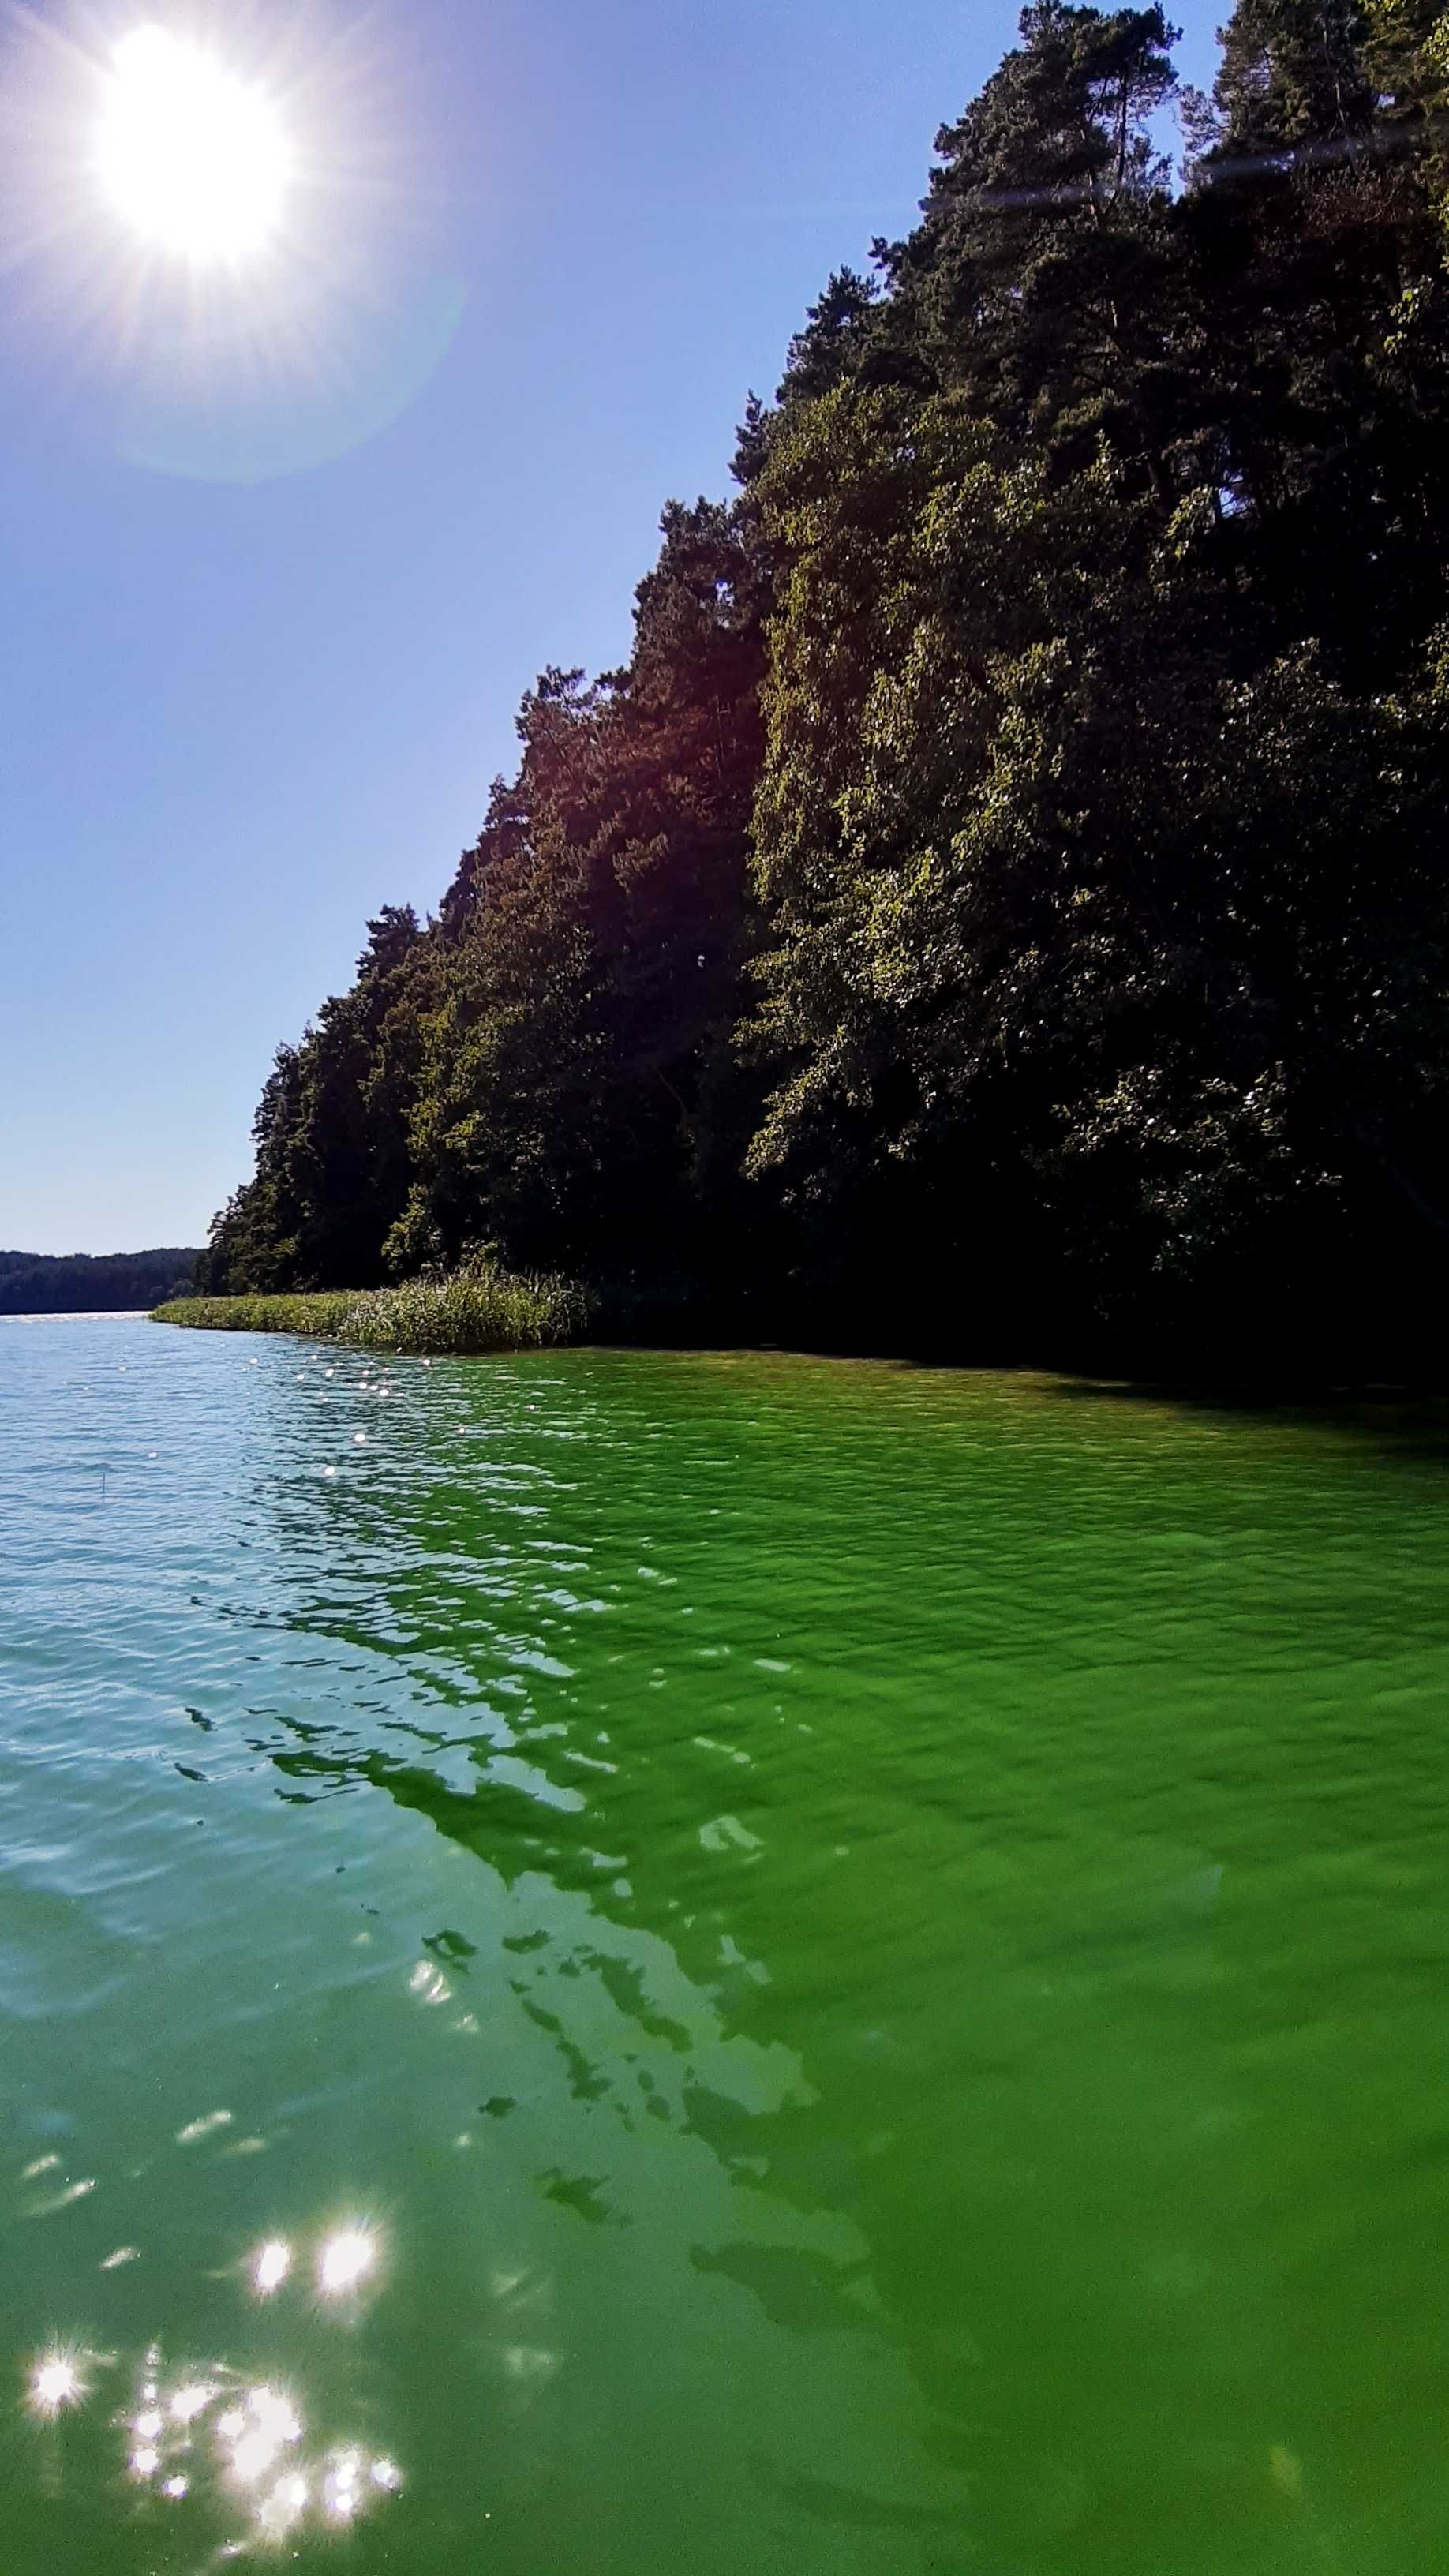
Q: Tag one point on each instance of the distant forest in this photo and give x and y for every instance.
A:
(80, 1283)
(1001, 904)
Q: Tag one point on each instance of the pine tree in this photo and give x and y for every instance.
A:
(1294, 76)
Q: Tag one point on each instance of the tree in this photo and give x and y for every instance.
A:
(1000, 895)
(332, 1133)
(1294, 74)
(580, 1081)
(1034, 282)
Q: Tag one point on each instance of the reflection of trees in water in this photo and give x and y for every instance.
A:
(888, 2128)
(608, 1884)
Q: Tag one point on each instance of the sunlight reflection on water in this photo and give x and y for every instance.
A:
(216, 2436)
(838, 1971)
(217, 2439)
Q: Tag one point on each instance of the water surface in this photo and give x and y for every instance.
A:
(626, 1963)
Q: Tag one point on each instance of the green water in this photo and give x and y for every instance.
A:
(819, 1970)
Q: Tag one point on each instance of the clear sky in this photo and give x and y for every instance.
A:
(281, 550)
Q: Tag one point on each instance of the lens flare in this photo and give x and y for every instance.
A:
(191, 157)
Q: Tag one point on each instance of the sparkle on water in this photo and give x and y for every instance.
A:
(56, 2382)
(345, 2261)
(249, 2469)
(924, 1899)
(272, 2265)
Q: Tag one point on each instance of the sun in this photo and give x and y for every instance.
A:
(194, 158)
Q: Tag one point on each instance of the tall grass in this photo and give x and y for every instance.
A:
(482, 1309)
(319, 1315)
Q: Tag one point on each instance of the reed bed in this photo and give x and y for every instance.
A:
(483, 1309)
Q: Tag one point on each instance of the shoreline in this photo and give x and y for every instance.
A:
(371, 1319)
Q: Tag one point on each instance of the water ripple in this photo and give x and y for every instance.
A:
(720, 1960)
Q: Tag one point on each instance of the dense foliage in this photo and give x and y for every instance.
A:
(1002, 901)
(81, 1283)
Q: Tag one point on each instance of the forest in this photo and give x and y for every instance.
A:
(82, 1283)
(1000, 907)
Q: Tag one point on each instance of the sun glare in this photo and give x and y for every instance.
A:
(193, 158)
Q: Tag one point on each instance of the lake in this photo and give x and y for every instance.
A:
(735, 1965)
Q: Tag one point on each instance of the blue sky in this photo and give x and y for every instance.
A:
(565, 239)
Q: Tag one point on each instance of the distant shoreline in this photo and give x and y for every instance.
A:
(72, 1314)
(94, 1283)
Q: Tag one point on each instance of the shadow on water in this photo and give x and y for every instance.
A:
(868, 1943)
(1400, 1423)
(962, 1810)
